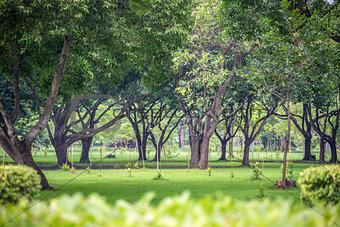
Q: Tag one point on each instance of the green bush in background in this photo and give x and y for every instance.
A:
(17, 182)
(78, 210)
(320, 184)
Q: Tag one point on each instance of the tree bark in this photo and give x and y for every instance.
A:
(322, 150)
(231, 144)
(86, 145)
(22, 155)
(223, 150)
(180, 136)
(204, 153)
(308, 152)
(20, 150)
(195, 151)
(334, 156)
(61, 152)
(245, 160)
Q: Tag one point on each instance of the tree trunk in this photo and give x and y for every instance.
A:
(224, 150)
(322, 150)
(334, 156)
(279, 143)
(245, 161)
(268, 143)
(195, 151)
(86, 145)
(180, 136)
(23, 156)
(231, 144)
(204, 153)
(61, 152)
(308, 145)
(287, 146)
(158, 152)
(275, 139)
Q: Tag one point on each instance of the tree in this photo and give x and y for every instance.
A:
(119, 33)
(290, 47)
(212, 58)
(253, 119)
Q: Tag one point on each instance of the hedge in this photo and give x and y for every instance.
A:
(182, 210)
(18, 182)
(320, 184)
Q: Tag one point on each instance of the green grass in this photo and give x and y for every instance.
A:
(116, 184)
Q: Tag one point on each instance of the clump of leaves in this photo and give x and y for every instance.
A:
(277, 155)
(256, 170)
(117, 166)
(65, 167)
(136, 165)
(209, 171)
(320, 184)
(18, 182)
(158, 176)
(130, 172)
(289, 170)
(261, 192)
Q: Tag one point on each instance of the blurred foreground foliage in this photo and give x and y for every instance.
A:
(182, 210)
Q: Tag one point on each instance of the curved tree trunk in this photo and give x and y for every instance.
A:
(23, 156)
(86, 145)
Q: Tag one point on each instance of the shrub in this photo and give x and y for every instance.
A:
(256, 170)
(182, 210)
(320, 184)
(17, 182)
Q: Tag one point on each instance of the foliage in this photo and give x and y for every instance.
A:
(256, 170)
(182, 210)
(17, 182)
(320, 184)
(158, 176)
(209, 171)
(65, 167)
(289, 170)
(261, 192)
(129, 171)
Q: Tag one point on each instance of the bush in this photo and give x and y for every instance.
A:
(320, 184)
(78, 210)
(17, 182)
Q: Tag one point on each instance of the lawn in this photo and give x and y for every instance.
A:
(115, 184)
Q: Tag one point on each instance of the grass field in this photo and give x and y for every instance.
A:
(115, 183)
